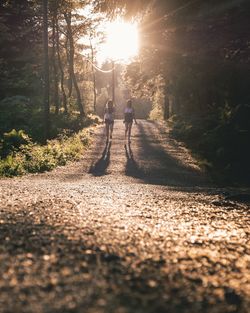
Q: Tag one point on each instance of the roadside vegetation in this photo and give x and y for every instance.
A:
(219, 142)
(19, 154)
(47, 94)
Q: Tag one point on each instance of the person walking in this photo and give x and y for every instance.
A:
(129, 117)
(109, 119)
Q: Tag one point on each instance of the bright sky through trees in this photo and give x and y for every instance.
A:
(121, 43)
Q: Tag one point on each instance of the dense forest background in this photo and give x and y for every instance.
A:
(194, 65)
(30, 31)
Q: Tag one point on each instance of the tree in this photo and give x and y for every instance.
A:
(46, 98)
(67, 17)
(60, 65)
(19, 30)
(33, 64)
(200, 47)
(55, 61)
(93, 72)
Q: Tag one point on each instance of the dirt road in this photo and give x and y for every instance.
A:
(136, 229)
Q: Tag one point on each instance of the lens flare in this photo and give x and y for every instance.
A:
(121, 41)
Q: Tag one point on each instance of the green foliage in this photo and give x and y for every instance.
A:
(157, 112)
(70, 123)
(34, 158)
(200, 50)
(18, 112)
(15, 112)
(220, 140)
(18, 61)
(22, 77)
(12, 141)
(11, 165)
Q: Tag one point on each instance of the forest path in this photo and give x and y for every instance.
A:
(153, 157)
(135, 229)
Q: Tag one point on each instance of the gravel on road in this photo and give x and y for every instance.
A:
(128, 229)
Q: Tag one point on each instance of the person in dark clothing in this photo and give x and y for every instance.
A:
(129, 117)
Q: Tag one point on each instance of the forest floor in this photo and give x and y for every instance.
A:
(139, 229)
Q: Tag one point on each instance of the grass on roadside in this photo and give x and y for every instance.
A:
(30, 157)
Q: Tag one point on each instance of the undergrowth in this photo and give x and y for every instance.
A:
(20, 155)
(220, 145)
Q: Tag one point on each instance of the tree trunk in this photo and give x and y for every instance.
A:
(46, 72)
(93, 75)
(71, 64)
(64, 97)
(176, 104)
(70, 80)
(54, 65)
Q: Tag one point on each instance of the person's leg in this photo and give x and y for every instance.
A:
(129, 131)
(107, 131)
(111, 129)
(126, 130)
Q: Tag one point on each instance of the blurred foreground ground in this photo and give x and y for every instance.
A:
(125, 230)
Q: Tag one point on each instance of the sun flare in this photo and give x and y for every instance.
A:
(122, 41)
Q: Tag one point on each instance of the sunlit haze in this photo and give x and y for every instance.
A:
(121, 41)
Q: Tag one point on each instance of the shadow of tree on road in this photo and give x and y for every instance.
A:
(157, 166)
(49, 269)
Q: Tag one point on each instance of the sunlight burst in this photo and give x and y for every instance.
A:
(122, 41)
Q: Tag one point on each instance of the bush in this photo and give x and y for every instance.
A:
(12, 141)
(34, 158)
(12, 165)
(20, 112)
(220, 142)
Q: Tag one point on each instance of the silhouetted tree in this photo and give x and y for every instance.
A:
(46, 86)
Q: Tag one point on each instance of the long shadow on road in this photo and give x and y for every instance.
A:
(157, 166)
(132, 168)
(100, 167)
(150, 158)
